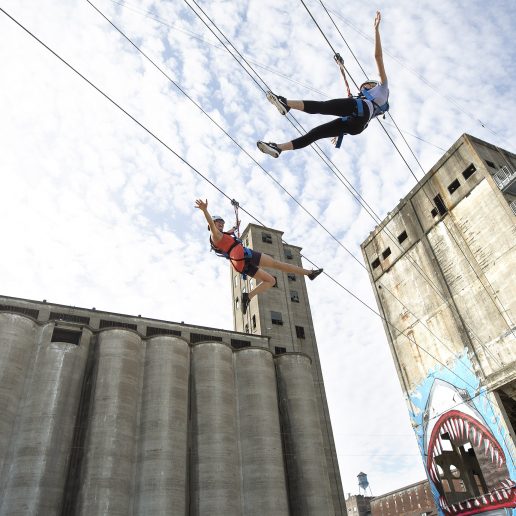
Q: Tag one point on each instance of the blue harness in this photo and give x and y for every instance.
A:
(378, 110)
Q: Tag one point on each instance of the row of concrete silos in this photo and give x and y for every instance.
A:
(122, 425)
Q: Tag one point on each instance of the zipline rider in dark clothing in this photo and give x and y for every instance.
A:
(354, 112)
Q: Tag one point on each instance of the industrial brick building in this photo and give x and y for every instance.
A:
(443, 268)
(104, 413)
(413, 500)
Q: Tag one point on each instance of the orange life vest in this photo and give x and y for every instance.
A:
(230, 247)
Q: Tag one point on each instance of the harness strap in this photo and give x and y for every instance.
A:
(360, 113)
(378, 110)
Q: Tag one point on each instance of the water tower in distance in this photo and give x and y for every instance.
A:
(363, 484)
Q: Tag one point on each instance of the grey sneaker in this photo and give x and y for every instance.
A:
(269, 148)
(278, 101)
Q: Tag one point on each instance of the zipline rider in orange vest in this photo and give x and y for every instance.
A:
(245, 260)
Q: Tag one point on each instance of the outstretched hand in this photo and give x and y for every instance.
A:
(202, 205)
(377, 19)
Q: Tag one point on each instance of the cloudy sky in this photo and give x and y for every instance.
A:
(96, 212)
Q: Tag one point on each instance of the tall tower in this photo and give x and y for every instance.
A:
(283, 314)
(442, 266)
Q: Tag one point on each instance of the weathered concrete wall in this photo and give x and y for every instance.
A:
(111, 422)
(264, 489)
(442, 266)
(163, 441)
(309, 487)
(107, 476)
(446, 285)
(215, 463)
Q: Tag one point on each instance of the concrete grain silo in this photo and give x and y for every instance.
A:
(42, 439)
(264, 489)
(309, 485)
(163, 440)
(105, 413)
(18, 340)
(109, 456)
(215, 466)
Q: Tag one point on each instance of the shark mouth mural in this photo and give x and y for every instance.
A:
(464, 460)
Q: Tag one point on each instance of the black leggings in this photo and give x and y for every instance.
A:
(336, 107)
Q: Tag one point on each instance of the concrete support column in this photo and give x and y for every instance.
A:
(215, 470)
(309, 485)
(44, 433)
(107, 477)
(18, 335)
(263, 473)
(163, 450)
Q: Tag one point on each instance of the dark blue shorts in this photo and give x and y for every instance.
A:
(251, 265)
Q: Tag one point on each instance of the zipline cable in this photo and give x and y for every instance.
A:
(430, 201)
(151, 16)
(329, 163)
(421, 78)
(509, 325)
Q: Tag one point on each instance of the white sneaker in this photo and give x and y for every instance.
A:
(269, 148)
(279, 102)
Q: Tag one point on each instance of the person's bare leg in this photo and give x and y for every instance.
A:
(268, 261)
(296, 104)
(267, 281)
(285, 146)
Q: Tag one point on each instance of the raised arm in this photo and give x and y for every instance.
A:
(216, 235)
(378, 54)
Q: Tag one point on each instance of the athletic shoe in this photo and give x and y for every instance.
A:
(245, 302)
(269, 148)
(278, 101)
(314, 274)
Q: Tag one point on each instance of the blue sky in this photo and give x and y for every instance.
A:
(97, 213)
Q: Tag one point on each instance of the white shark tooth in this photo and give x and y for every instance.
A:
(461, 427)
(451, 430)
(498, 495)
(484, 500)
(479, 436)
(476, 502)
(505, 495)
(460, 506)
(466, 426)
(457, 427)
(487, 444)
(492, 498)
(492, 453)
